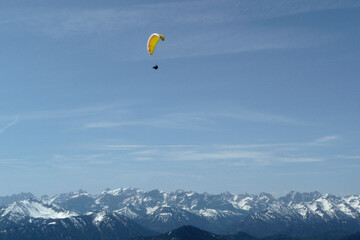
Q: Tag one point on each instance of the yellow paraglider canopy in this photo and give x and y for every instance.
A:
(153, 40)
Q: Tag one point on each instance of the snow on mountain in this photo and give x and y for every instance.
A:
(353, 201)
(99, 218)
(165, 218)
(34, 209)
(59, 198)
(326, 207)
(244, 203)
(94, 225)
(129, 212)
(4, 201)
(106, 218)
(121, 191)
(294, 198)
(79, 202)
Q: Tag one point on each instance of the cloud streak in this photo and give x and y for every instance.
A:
(196, 120)
(60, 114)
(124, 156)
(252, 154)
(192, 121)
(3, 129)
(193, 26)
(62, 22)
(326, 139)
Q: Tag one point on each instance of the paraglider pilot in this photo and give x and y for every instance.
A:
(151, 44)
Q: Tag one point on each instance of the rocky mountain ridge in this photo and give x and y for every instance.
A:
(220, 213)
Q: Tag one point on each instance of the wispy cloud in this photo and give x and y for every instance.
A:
(2, 130)
(108, 124)
(254, 116)
(8, 161)
(67, 22)
(326, 139)
(348, 157)
(273, 9)
(204, 156)
(258, 154)
(107, 116)
(77, 161)
(123, 147)
(195, 120)
(115, 17)
(147, 123)
(193, 25)
(17, 162)
(243, 38)
(302, 160)
(290, 145)
(58, 114)
(67, 113)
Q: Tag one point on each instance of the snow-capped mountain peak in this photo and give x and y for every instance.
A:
(294, 197)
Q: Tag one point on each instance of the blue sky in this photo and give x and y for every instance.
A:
(250, 96)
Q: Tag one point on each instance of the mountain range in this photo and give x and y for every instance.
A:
(150, 212)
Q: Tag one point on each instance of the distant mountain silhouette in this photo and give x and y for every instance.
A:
(185, 233)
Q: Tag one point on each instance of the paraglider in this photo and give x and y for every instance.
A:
(152, 42)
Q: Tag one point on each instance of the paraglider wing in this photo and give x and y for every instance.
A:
(153, 40)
